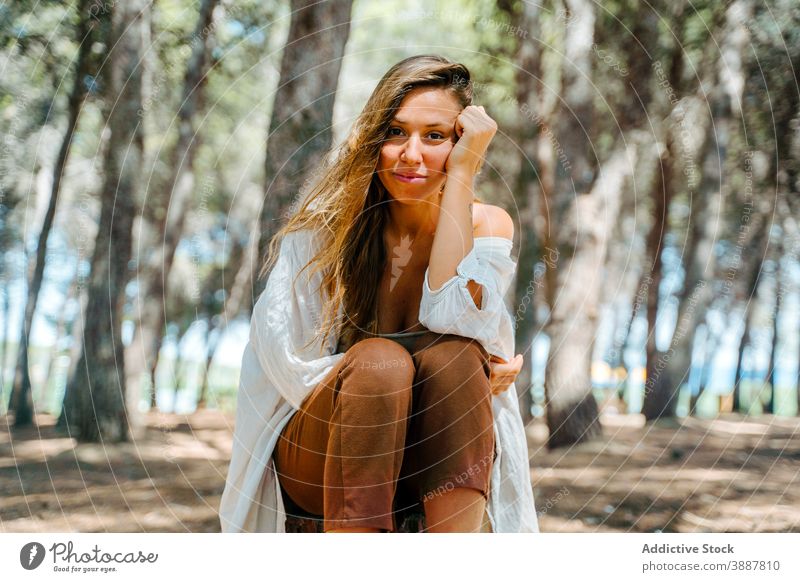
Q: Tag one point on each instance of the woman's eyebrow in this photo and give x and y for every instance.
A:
(435, 124)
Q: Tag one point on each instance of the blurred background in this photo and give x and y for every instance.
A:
(649, 154)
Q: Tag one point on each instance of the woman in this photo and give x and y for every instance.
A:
(378, 370)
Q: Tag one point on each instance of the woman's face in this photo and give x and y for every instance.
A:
(420, 137)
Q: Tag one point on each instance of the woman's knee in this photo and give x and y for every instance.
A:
(379, 366)
(454, 361)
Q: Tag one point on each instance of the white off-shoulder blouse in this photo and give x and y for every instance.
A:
(277, 374)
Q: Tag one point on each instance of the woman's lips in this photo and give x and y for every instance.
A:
(409, 178)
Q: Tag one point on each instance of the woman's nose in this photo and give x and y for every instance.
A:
(411, 152)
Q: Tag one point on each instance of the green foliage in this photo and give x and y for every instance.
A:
(38, 46)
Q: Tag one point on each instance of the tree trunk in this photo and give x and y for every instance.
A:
(793, 235)
(211, 349)
(61, 325)
(743, 343)
(759, 241)
(661, 198)
(76, 335)
(769, 405)
(152, 369)
(711, 345)
(527, 196)
(142, 354)
(668, 372)
(789, 203)
(179, 373)
(622, 286)
(98, 409)
(21, 401)
(585, 202)
(4, 349)
(241, 260)
(300, 129)
(625, 336)
(572, 412)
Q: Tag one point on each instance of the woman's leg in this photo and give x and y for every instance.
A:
(340, 455)
(451, 433)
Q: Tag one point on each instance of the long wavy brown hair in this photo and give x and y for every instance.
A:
(347, 203)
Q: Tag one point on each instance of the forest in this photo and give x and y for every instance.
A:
(648, 153)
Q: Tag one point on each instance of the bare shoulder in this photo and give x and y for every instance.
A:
(490, 220)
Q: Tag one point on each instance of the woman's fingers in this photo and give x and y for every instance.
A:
(503, 373)
(514, 364)
(474, 130)
(459, 126)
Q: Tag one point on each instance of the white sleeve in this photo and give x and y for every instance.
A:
(451, 308)
(284, 319)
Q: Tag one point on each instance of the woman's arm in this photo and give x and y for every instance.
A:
(454, 231)
(452, 309)
(488, 220)
(453, 239)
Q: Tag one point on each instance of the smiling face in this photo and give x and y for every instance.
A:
(412, 159)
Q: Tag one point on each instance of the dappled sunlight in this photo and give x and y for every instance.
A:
(169, 480)
(703, 476)
(732, 427)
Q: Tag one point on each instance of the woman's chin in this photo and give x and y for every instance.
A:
(412, 197)
(411, 193)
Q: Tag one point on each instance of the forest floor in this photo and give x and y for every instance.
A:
(730, 474)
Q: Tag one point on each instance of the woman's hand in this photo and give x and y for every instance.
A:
(475, 129)
(503, 373)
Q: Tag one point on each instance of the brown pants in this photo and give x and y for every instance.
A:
(386, 429)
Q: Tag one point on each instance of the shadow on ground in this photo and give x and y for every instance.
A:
(170, 480)
(732, 474)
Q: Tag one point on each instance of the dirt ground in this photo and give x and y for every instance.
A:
(731, 474)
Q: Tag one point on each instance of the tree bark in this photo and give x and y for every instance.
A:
(758, 239)
(300, 129)
(527, 195)
(668, 372)
(661, 198)
(235, 298)
(571, 409)
(61, 326)
(744, 342)
(21, 399)
(76, 335)
(769, 405)
(211, 350)
(179, 372)
(793, 229)
(585, 204)
(4, 349)
(97, 410)
(572, 412)
(142, 354)
(711, 345)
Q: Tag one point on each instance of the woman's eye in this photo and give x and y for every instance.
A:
(395, 131)
(436, 135)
